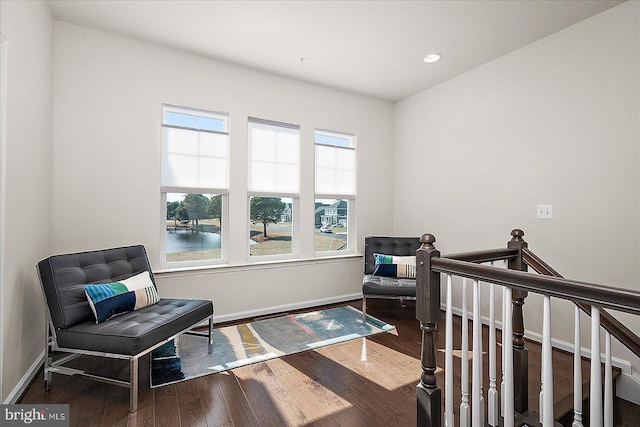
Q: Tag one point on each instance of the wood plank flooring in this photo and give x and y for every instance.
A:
(364, 382)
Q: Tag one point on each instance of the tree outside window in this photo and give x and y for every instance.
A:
(193, 228)
(271, 228)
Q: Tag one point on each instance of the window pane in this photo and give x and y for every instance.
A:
(274, 158)
(187, 156)
(193, 227)
(335, 170)
(207, 123)
(177, 119)
(335, 139)
(195, 119)
(271, 227)
(193, 158)
(331, 220)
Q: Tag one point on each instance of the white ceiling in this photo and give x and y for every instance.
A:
(373, 48)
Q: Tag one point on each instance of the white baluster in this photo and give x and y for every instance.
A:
(507, 344)
(476, 383)
(482, 412)
(577, 371)
(448, 362)
(505, 304)
(492, 394)
(547, 363)
(465, 409)
(595, 398)
(608, 382)
(541, 395)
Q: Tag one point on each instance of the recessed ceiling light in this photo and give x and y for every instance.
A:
(434, 57)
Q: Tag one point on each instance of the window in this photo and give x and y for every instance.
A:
(194, 184)
(273, 186)
(335, 188)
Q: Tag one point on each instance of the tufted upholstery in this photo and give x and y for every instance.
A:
(72, 327)
(63, 278)
(132, 333)
(400, 246)
(387, 287)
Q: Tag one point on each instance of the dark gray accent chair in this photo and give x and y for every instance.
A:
(387, 287)
(72, 327)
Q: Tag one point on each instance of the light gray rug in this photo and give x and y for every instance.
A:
(247, 343)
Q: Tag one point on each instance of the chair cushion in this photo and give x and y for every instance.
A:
(133, 332)
(377, 285)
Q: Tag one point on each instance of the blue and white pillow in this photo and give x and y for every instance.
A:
(395, 266)
(110, 299)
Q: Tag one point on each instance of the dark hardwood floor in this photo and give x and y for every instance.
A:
(365, 382)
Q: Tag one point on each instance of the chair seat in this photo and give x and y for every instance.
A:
(133, 332)
(378, 285)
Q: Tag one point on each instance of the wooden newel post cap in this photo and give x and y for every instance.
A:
(428, 239)
(517, 234)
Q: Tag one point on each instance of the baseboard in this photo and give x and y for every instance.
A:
(624, 365)
(25, 381)
(284, 308)
(628, 387)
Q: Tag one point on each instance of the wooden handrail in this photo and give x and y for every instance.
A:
(500, 254)
(603, 296)
(535, 262)
(430, 264)
(623, 334)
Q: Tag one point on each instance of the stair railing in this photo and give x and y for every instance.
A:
(516, 284)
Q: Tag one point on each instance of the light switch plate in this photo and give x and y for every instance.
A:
(545, 212)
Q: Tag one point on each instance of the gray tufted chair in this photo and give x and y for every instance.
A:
(72, 327)
(387, 287)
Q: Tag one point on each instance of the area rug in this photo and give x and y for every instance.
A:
(234, 346)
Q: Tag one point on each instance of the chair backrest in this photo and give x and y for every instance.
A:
(399, 246)
(63, 277)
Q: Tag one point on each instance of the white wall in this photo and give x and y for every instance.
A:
(472, 157)
(106, 161)
(28, 28)
(556, 122)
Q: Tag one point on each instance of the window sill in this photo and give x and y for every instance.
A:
(188, 271)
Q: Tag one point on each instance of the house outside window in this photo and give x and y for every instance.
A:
(194, 185)
(335, 192)
(273, 187)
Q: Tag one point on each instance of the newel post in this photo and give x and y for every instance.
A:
(429, 396)
(520, 353)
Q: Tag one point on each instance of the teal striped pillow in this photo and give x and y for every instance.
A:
(395, 266)
(110, 299)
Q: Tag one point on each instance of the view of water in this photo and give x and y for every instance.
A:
(187, 240)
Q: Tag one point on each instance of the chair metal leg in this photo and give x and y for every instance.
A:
(48, 359)
(210, 348)
(133, 385)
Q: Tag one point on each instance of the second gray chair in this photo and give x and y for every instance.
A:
(374, 286)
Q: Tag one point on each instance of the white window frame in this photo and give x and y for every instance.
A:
(294, 196)
(4, 65)
(349, 198)
(224, 192)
